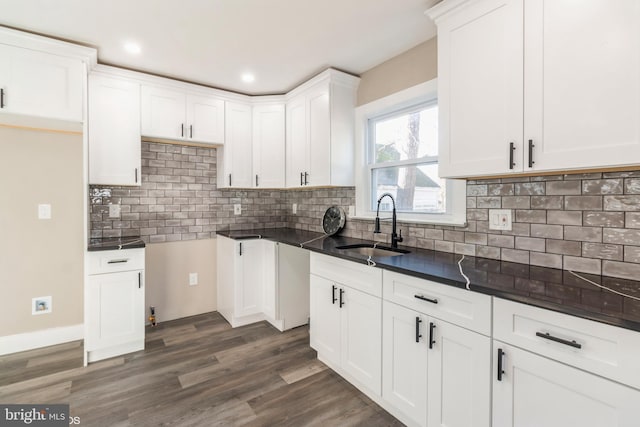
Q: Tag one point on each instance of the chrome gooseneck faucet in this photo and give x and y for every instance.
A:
(394, 236)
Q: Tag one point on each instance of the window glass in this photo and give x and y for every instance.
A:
(414, 188)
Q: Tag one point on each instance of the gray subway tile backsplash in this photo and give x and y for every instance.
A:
(588, 223)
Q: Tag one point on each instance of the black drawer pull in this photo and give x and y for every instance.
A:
(547, 336)
(423, 298)
(432, 326)
(500, 364)
(418, 321)
(118, 261)
(333, 294)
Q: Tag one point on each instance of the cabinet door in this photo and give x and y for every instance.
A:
(324, 329)
(319, 130)
(237, 147)
(361, 337)
(268, 146)
(405, 361)
(249, 278)
(582, 83)
(114, 131)
(459, 377)
(536, 391)
(205, 119)
(480, 72)
(116, 312)
(40, 84)
(296, 142)
(163, 113)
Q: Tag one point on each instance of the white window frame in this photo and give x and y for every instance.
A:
(456, 200)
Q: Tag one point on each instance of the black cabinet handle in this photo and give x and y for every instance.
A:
(512, 148)
(191, 131)
(240, 245)
(1, 98)
(182, 129)
(500, 363)
(301, 178)
(432, 326)
(531, 145)
(306, 178)
(256, 180)
(341, 297)
(229, 180)
(118, 261)
(136, 173)
(139, 280)
(423, 298)
(547, 336)
(333, 294)
(418, 321)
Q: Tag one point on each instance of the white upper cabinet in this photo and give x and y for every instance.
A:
(114, 130)
(268, 146)
(40, 84)
(535, 85)
(320, 131)
(174, 114)
(234, 159)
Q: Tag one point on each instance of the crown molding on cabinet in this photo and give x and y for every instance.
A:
(444, 8)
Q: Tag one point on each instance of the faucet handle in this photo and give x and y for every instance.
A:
(400, 239)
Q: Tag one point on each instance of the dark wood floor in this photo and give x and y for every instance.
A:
(194, 372)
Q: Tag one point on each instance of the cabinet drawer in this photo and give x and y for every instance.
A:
(118, 260)
(460, 307)
(358, 276)
(595, 347)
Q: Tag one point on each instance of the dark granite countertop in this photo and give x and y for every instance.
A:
(549, 288)
(109, 244)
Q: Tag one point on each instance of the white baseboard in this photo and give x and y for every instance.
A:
(43, 338)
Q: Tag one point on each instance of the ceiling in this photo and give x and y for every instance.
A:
(213, 42)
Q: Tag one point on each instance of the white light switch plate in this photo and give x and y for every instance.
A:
(237, 209)
(500, 219)
(44, 211)
(114, 211)
(294, 208)
(352, 211)
(193, 279)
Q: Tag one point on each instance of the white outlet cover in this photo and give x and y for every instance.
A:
(237, 209)
(352, 211)
(114, 211)
(500, 219)
(294, 208)
(44, 211)
(193, 279)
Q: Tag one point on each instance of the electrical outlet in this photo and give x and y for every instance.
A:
(352, 211)
(193, 279)
(500, 219)
(294, 208)
(44, 211)
(114, 211)
(237, 209)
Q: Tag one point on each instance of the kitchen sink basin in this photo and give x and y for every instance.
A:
(370, 249)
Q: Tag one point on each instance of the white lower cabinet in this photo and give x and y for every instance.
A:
(114, 304)
(346, 330)
(534, 391)
(434, 373)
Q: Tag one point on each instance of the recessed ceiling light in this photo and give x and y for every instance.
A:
(132, 48)
(248, 78)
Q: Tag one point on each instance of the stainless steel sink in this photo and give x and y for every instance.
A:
(371, 249)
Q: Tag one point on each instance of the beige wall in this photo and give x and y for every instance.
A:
(40, 257)
(417, 65)
(167, 278)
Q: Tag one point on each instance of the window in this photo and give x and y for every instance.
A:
(397, 139)
(403, 159)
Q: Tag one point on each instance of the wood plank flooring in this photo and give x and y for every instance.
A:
(196, 371)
